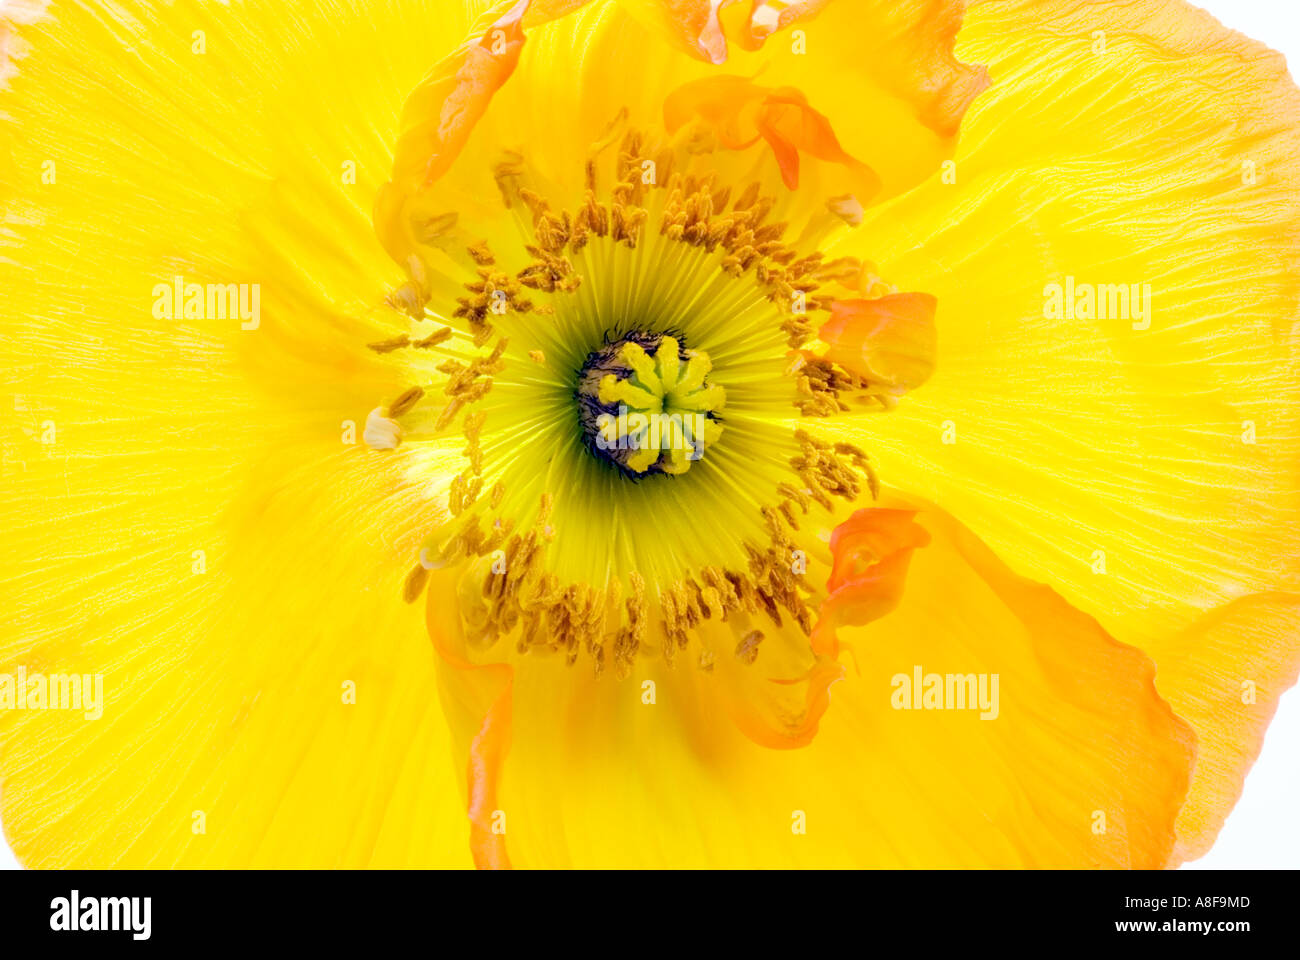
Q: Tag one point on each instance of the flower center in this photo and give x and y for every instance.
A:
(645, 404)
(675, 279)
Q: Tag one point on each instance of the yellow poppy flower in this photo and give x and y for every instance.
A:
(652, 432)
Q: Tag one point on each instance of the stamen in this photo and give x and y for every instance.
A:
(381, 433)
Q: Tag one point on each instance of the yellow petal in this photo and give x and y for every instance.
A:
(1147, 465)
(1224, 674)
(1083, 766)
(189, 511)
(692, 26)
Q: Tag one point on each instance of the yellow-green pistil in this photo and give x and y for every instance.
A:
(649, 412)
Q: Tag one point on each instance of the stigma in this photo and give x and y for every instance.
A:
(645, 404)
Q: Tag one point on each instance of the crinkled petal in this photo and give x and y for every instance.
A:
(189, 510)
(1146, 462)
(1223, 675)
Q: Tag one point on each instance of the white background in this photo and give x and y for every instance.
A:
(1264, 829)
